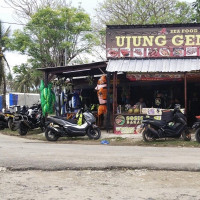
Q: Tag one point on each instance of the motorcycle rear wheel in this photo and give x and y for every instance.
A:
(94, 133)
(146, 136)
(11, 125)
(186, 135)
(23, 130)
(51, 135)
(197, 135)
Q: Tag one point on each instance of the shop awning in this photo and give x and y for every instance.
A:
(153, 65)
(96, 68)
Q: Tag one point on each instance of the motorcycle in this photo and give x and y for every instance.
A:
(61, 127)
(31, 120)
(196, 126)
(172, 125)
(3, 122)
(9, 116)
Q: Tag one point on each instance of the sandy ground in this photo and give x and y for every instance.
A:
(99, 185)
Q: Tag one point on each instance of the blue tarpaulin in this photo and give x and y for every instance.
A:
(1, 103)
(13, 99)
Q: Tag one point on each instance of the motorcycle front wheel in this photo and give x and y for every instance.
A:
(51, 135)
(43, 128)
(94, 133)
(147, 137)
(186, 135)
(197, 135)
(23, 129)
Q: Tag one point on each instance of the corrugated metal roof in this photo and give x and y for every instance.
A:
(156, 65)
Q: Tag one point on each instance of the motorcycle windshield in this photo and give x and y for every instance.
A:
(89, 117)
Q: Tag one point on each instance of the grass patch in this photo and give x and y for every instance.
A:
(36, 134)
(169, 143)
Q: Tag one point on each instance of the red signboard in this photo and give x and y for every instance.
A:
(154, 77)
(125, 123)
(153, 41)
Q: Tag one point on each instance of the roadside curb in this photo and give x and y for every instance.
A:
(117, 168)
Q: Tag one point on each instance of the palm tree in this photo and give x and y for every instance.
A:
(23, 81)
(4, 33)
(10, 82)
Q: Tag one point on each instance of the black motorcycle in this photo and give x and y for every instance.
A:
(196, 126)
(13, 117)
(61, 127)
(3, 122)
(172, 125)
(31, 120)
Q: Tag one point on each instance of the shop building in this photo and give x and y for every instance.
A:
(159, 65)
(149, 69)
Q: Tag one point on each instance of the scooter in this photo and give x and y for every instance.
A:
(61, 127)
(3, 122)
(196, 126)
(172, 125)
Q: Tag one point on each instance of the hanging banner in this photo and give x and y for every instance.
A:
(153, 41)
(154, 77)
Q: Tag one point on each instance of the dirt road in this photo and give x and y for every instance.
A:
(99, 185)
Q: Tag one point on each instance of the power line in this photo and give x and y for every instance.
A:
(13, 23)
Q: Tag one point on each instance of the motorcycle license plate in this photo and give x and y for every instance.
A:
(141, 129)
(53, 125)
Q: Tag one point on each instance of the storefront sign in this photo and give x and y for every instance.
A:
(154, 77)
(153, 41)
(129, 123)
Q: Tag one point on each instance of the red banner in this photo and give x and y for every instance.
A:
(154, 77)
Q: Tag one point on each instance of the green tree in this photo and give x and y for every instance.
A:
(4, 34)
(50, 34)
(196, 6)
(143, 12)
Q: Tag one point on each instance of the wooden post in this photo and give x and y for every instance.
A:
(113, 98)
(108, 103)
(46, 74)
(116, 92)
(185, 92)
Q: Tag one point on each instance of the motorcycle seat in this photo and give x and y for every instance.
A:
(158, 123)
(72, 121)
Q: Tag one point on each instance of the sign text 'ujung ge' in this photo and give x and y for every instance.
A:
(153, 42)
